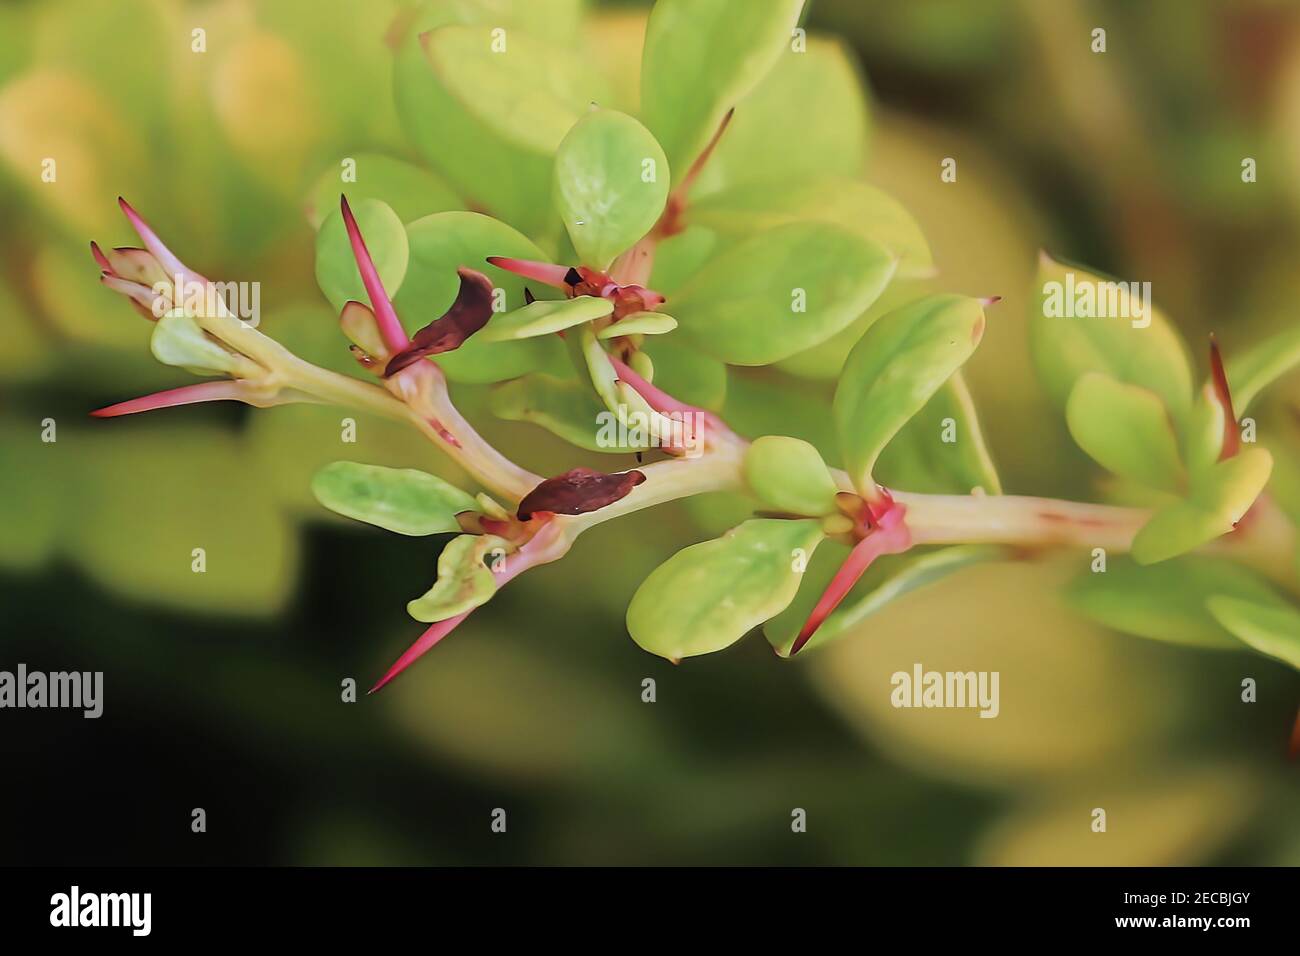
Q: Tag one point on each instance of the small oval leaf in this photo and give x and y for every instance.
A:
(1126, 429)
(545, 317)
(708, 596)
(178, 340)
(464, 581)
(611, 184)
(895, 369)
(781, 292)
(788, 475)
(402, 500)
(639, 323)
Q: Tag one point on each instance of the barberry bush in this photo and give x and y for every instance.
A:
(634, 237)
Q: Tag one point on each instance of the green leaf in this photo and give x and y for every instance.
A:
(1066, 347)
(826, 361)
(464, 581)
(410, 190)
(781, 292)
(1203, 433)
(591, 355)
(679, 257)
(1126, 429)
(442, 243)
(402, 500)
(788, 475)
(545, 318)
(490, 121)
(336, 268)
(870, 212)
(1258, 367)
(708, 596)
(1270, 629)
(639, 323)
(701, 58)
(178, 340)
(563, 406)
(941, 449)
(1167, 601)
(1218, 499)
(832, 137)
(884, 582)
(611, 184)
(903, 359)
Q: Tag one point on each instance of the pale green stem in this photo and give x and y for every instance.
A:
(481, 460)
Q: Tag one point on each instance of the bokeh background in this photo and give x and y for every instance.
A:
(223, 689)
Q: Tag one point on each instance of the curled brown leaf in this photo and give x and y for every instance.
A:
(578, 492)
(469, 313)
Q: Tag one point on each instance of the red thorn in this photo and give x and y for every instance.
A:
(422, 645)
(100, 258)
(390, 327)
(166, 258)
(172, 397)
(700, 161)
(545, 272)
(1231, 437)
(890, 536)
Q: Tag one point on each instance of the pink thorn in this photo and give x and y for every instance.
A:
(539, 271)
(424, 643)
(890, 536)
(664, 403)
(165, 257)
(172, 397)
(531, 554)
(657, 398)
(390, 327)
(132, 290)
(102, 259)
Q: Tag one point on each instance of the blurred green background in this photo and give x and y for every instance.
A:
(223, 689)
